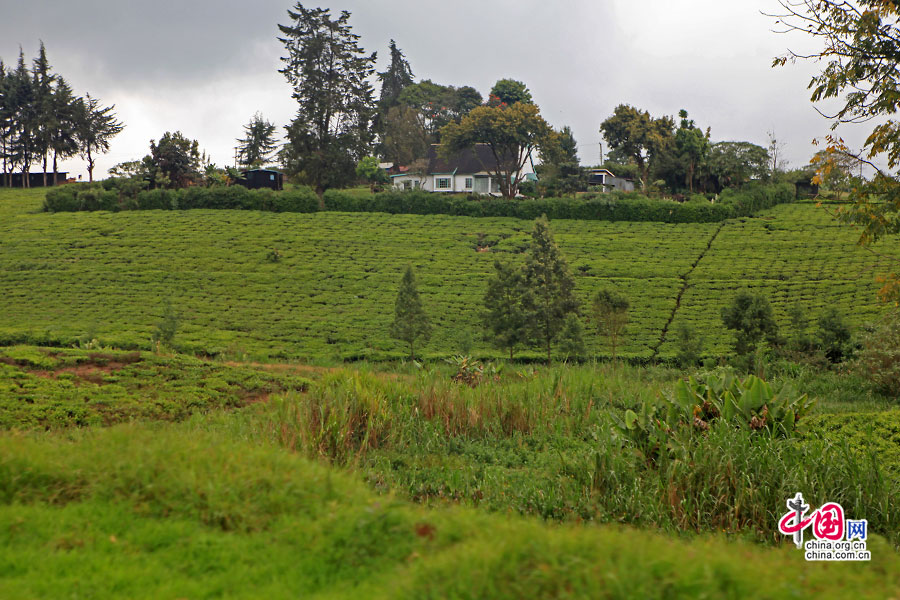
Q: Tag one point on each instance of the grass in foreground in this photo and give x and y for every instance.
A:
(168, 511)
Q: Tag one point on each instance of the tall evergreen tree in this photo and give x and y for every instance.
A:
(398, 76)
(258, 144)
(4, 122)
(505, 317)
(64, 127)
(22, 118)
(551, 297)
(42, 83)
(96, 127)
(330, 76)
(410, 321)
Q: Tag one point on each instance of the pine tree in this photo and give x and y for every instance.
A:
(505, 317)
(64, 128)
(551, 297)
(330, 76)
(410, 321)
(96, 128)
(258, 144)
(398, 76)
(45, 116)
(4, 122)
(23, 116)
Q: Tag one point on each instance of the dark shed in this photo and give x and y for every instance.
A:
(262, 178)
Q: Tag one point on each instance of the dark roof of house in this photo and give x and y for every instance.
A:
(478, 159)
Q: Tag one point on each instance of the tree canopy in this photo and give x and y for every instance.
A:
(512, 133)
(330, 74)
(638, 136)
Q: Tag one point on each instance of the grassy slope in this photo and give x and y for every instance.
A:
(149, 512)
(332, 293)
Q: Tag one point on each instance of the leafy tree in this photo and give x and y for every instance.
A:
(638, 136)
(750, 317)
(405, 137)
(836, 171)
(410, 321)
(175, 160)
(510, 91)
(438, 105)
(860, 45)
(96, 127)
(551, 287)
(258, 145)
(505, 317)
(368, 168)
(692, 145)
(610, 311)
(511, 132)
(330, 76)
(733, 163)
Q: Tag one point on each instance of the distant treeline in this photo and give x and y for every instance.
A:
(603, 207)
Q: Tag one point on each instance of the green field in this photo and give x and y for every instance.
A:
(72, 276)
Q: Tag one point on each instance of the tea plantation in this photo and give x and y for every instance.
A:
(321, 286)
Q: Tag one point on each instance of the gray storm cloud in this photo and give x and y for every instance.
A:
(205, 67)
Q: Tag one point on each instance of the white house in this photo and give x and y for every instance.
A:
(467, 172)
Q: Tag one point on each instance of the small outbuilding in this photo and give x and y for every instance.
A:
(262, 178)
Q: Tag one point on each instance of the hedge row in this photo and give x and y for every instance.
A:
(607, 207)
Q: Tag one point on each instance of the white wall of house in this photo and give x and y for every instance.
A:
(447, 182)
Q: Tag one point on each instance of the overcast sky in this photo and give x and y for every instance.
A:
(204, 67)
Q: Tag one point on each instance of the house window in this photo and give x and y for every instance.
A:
(417, 184)
(469, 183)
(442, 183)
(407, 185)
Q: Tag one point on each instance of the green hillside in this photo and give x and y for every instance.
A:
(73, 276)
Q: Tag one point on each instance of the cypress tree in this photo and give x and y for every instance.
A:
(410, 321)
(505, 316)
(551, 298)
(398, 76)
(44, 115)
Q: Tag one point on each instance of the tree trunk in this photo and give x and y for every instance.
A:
(549, 358)
(510, 354)
(90, 166)
(320, 192)
(55, 175)
(45, 169)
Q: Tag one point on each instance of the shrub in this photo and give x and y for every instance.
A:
(750, 316)
(688, 346)
(879, 358)
(833, 336)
